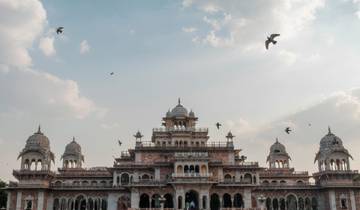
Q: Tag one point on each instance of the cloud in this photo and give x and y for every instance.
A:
(23, 89)
(46, 45)
(84, 47)
(340, 110)
(21, 22)
(247, 23)
(189, 29)
(110, 125)
(187, 3)
(49, 95)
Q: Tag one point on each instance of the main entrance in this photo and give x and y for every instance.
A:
(192, 200)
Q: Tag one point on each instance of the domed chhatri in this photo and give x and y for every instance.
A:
(37, 155)
(72, 157)
(278, 157)
(332, 154)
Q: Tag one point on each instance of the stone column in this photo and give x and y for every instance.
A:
(352, 199)
(247, 198)
(40, 201)
(157, 174)
(18, 200)
(135, 198)
(332, 201)
(114, 178)
(237, 176)
(220, 174)
(8, 195)
(50, 202)
(112, 201)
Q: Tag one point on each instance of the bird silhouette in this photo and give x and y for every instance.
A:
(288, 130)
(309, 124)
(112, 73)
(218, 125)
(270, 39)
(60, 30)
(120, 143)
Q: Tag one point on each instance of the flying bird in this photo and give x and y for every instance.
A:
(112, 73)
(270, 39)
(120, 143)
(288, 130)
(309, 124)
(218, 125)
(60, 30)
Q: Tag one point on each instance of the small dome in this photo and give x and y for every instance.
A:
(277, 148)
(168, 114)
(73, 148)
(329, 141)
(38, 141)
(330, 144)
(179, 111)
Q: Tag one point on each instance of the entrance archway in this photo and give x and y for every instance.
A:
(192, 200)
(144, 201)
(168, 201)
(214, 202)
(123, 203)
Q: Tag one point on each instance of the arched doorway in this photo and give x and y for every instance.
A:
(155, 201)
(238, 201)
(291, 202)
(214, 202)
(227, 200)
(192, 200)
(168, 201)
(144, 201)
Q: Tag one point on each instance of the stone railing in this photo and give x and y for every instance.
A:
(180, 129)
(214, 145)
(191, 175)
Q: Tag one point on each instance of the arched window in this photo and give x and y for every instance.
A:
(197, 169)
(125, 179)
(186, 169)
(301, 204)
(227, 201)
(144, 201)
(248, 178)
(179, 169)
(168, 201)
(291, 202)
(145, 177)
(275, 204)
(238, 201)
(155, 201)
(192, 169)
(314, 204)
(227, 178)
(215, 202)
(265, 182)
(268, 203)
(203, 169)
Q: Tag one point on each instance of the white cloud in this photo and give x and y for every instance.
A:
(187, 3)
(84, 47)
(340, 110)
(23, 89)
(21, 22)
(189, 29)
(110, 125)
(46, 45)
(247, 23)
(288, 57)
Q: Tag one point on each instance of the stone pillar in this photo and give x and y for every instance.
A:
(352, 199)
(237, 176)
(247, 198)
(112, 201)
(114, 178)
(8, 195)
(220, 174)
(40, 201)
(332, 201)
(136, 177)
(50, 202)
(135, 198)
(18, 200)
(157, 174)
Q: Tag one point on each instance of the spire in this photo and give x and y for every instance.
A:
(277, 140)
(179, 101)
(39, 130)
(73, 139)
(329, 129)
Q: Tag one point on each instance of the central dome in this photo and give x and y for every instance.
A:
(179, 111)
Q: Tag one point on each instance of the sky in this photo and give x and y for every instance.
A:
(209, 53)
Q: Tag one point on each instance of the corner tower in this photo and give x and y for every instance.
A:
(72, 157)
(278, 158)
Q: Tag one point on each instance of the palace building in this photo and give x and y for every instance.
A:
(181, 169)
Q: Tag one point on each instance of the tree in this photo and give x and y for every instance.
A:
(3, 195)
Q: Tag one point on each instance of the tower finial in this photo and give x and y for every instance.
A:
(329, 129)
(73, 138)
(179, 101)
(39, 129)
(277, 140)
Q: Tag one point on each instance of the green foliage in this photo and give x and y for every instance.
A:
(3, 196)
